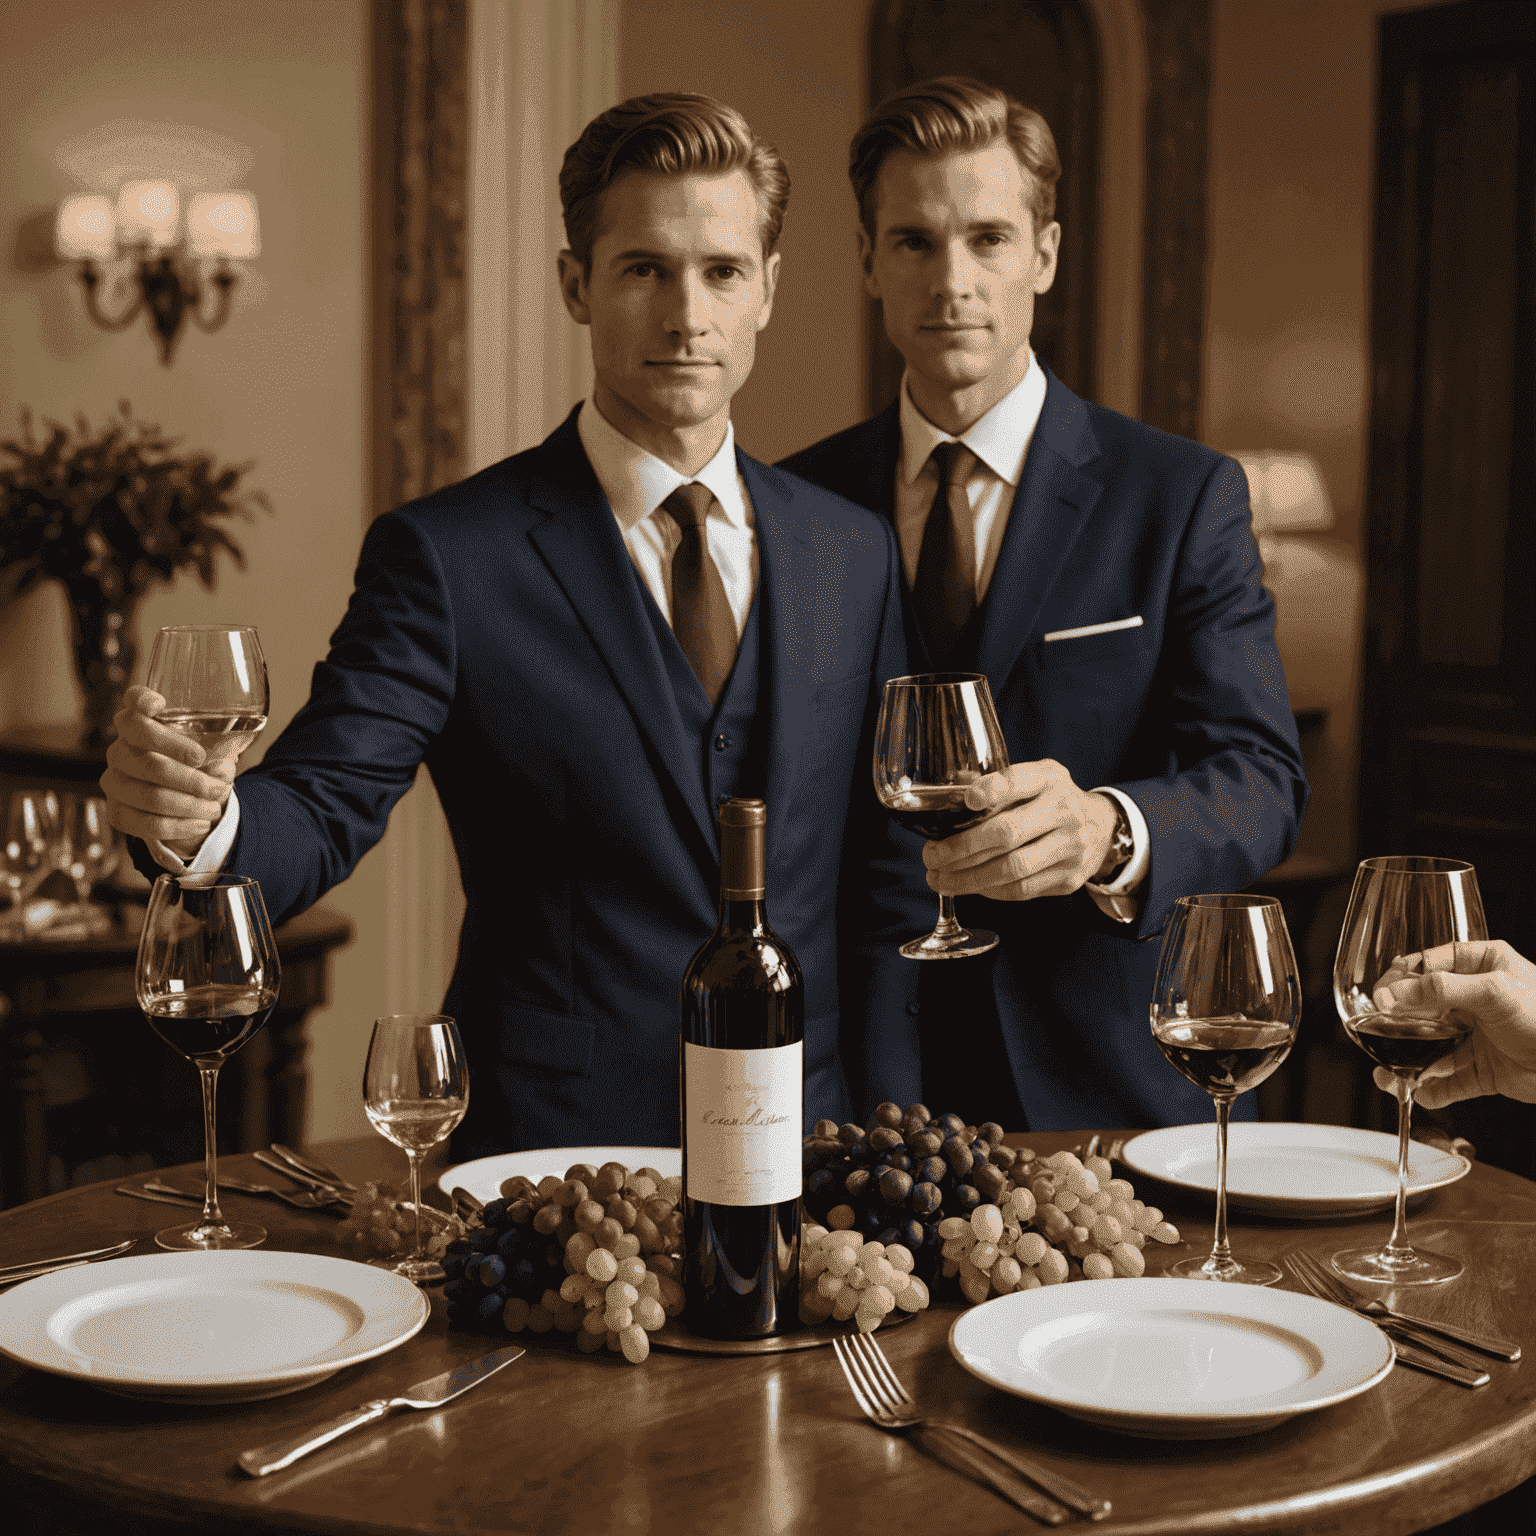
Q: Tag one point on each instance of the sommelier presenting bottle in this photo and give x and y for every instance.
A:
(590, 645)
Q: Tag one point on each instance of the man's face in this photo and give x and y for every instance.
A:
(956, 264)
(677, 293)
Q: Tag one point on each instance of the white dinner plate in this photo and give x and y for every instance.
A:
(1172, 1359)
(1300, 1171)
(484, 1177)
(220, 1327)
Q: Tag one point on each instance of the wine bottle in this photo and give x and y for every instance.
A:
(743, 1094)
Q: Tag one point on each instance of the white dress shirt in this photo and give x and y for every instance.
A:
(1000, 440)
(635, 483)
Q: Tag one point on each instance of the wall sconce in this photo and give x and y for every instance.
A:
(1287, 496)
(144, 229)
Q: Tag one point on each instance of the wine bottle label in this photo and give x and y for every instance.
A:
(742, 1134)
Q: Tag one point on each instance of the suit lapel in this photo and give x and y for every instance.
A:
(1055, 498)
(581, 544)
(876, 467)
(786, 588)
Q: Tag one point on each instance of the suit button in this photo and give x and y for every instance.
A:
(914, 1009)
(721, 743)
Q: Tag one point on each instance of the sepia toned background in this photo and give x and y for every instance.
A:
(281, 98)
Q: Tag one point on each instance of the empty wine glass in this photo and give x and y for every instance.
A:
(1225, 1008)
(1400, 907)
(90, 841)
(938, 732)
(415, 1090)
(207, 980)
(213, 678)
(33, 842)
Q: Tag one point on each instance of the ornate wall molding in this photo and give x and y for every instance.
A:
(1178, 36)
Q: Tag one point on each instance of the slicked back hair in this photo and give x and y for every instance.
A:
(954, 115)
(676, 134)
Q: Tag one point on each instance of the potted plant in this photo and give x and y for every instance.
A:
(109, 513)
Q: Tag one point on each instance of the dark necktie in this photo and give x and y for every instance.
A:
(701, 615)
(944, 594)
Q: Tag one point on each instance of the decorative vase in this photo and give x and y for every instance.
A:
(102, 635)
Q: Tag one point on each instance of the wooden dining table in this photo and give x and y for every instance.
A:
(690, 1444)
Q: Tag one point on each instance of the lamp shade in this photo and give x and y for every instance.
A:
(223, 224)
(1286, 492)
(84, 229)
(148, 212)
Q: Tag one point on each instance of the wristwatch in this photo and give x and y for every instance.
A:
(1121, 846)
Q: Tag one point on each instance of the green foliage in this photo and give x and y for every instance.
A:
(120, 506)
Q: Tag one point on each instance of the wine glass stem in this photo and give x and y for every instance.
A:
(1221, 1252)
(414, 1159)
(1397, 1250)
(948, 924)
(212, 1215)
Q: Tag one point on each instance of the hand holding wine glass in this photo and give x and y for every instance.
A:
(1225, 1009)
(213, 679)
(207, 979)
(415, 1090)
(1399, 907)
(938, 733)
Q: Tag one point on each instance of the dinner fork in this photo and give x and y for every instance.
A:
(12, 1273)
(303, 1199)
(1334, 1289)
(879, 1392)
(1412, 1349)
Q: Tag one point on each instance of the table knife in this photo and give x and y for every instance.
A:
(1422, 1359)
(432, 1393)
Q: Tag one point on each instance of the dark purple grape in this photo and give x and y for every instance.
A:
(886, 1115)
(926, 1142)
(900, 1158)
(888, 1235)
(950, 1124)
(510, 1244)
(818, 1185)
(453, 1266)
(857, 1183)
(494, 1214)
(925, 1199)
(931, 1170)
(873, 1220)
(895, 1186)
(884, 1139)
(981, 1148)
(483, 1240)
(910, 1235)
(850, 1133)
(520, 1276)
(458, 1290)
(861, 1154)
(490, 1305)
(989, 1181)
(958, 1156)
(459, 1246)
(961, 1200)
(492, 1271)
(991, 1131)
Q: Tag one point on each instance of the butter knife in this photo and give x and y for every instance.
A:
(1422, 1358)
(432, 1393)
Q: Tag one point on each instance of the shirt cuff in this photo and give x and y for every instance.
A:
(216, 846)
(1116, 899)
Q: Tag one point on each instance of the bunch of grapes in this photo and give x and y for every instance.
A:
(842, 1276)
(382, 1225)
(594, 1254)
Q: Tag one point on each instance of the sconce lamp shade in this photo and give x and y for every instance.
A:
(1286, 492)
(223, 224)
(148, 213)
(85, 228)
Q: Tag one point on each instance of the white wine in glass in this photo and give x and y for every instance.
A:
(1399, 908)
(1225, 1009)
(213, 679)
(415, 1090)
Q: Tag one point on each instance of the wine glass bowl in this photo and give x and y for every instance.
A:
(34, 842)
(415, 1090)
(1225, 1009)
(1400, 907)
(938, 732)
(91, 842)
(207, 979)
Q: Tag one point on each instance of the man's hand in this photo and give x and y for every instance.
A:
(1491, 987)
(154, 784)
(1043, 836)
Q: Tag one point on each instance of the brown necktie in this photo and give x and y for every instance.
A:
(944, 594)
(701, 615)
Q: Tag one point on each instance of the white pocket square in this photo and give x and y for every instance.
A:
(1094, 629)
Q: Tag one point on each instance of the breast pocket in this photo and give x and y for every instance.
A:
(1090, 650)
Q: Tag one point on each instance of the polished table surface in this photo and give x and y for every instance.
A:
(562, 1442)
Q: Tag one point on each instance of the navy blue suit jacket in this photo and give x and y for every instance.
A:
(1188, 714)
(498, 633)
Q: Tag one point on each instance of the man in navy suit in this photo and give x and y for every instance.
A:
(590, 645)
(1105, 579)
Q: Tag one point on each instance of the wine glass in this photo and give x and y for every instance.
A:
(33, 842)
(213, 679)
(90, 842)
(207, 980)
(1225, 1008)
(938, 732)
(1400, 907)
(415, 1090)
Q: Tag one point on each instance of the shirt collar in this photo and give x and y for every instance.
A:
(636, 482)
(1000, 439)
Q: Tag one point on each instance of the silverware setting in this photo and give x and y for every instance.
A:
(332, 1191)
(10, 1274)
(315, 1170)
(303, 1199)
(886, 1403)
(1338, 1290)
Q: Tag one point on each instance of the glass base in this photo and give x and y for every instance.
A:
(1376, 1266)
(950, 946)
(417, 1271)
(199, 1236)
(1255, 1272)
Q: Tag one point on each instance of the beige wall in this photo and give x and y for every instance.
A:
(282, 87)
(796, 70)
